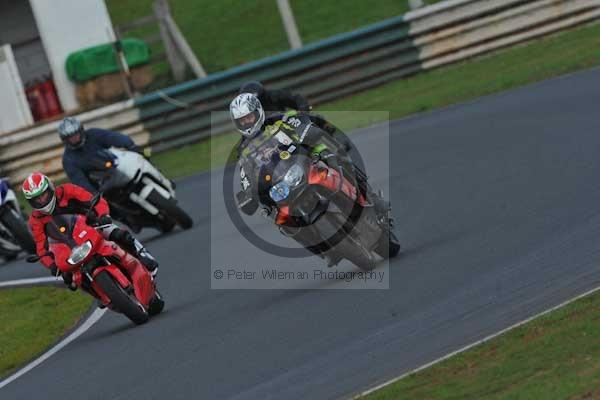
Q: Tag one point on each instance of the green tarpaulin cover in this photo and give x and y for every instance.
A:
(89, 63)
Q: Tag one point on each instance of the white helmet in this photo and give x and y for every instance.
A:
(247, 114)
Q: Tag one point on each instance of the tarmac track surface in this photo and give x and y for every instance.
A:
(498, 208)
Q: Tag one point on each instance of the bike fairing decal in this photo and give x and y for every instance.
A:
(294, 122)
(283, 138)
(3, 190)
(244, 179)
(288, 252)
(305, 131)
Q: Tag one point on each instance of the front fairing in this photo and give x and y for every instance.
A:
(133, 168)
(67, 231)
(304, 203)
(119, 170)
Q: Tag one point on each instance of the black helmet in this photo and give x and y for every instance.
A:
(254, 87)
(71, 132)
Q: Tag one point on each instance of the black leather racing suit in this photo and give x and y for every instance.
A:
(278, 101)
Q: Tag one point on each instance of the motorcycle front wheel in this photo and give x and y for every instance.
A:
(156, 304)
(122, 301)
(18, 228)
(389, 245)
(353, 250)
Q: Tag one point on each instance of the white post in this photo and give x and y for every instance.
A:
(14, 109)
(415, 4)
(289, 23)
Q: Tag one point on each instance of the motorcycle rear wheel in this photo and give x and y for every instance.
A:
(122, 301)
(172, 210)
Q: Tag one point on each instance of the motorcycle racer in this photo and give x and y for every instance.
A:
(275, 101)
(248, 115)
(47, 200)
(87, 149)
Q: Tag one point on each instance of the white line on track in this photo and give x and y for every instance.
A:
(26, 282)
(467, 347)
(92, 319)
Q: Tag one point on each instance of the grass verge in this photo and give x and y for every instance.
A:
(252, 30)
(32, 319)
(545, 58)
(556, 356)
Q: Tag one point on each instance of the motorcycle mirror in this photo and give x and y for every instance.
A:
(93, 202)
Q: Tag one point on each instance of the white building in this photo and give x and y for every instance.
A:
(42, 33)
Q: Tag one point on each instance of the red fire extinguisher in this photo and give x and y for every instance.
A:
(50, 97)
(36, 100)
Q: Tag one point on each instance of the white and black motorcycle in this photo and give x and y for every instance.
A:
(14, 232)
(139, 195)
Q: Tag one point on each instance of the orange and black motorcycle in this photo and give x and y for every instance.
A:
(324, 207)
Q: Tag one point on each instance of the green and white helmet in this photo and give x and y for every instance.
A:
(38, 189)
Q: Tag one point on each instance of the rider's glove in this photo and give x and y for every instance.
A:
(104, 220)
(266, 212)
(95, 220)
(68, 280)
(144, 151)
(329, 158)
(54, 271)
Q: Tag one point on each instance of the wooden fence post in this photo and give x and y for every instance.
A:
(174, 57)
(184, 48)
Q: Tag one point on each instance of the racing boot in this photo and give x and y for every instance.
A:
(146, 258)
(134, 247)
(382, 206)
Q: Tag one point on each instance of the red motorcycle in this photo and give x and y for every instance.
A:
(102, 268)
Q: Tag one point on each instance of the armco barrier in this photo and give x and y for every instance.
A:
(444, 33)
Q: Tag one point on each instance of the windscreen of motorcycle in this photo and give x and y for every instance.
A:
(129, 163)
(128, 166)
(59, 232)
